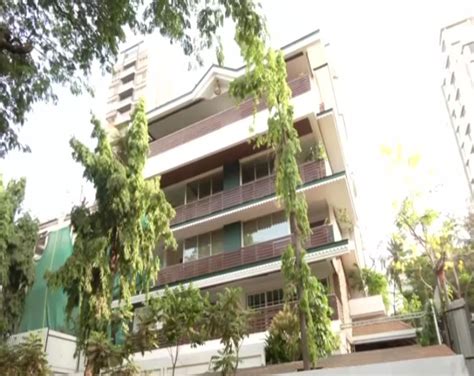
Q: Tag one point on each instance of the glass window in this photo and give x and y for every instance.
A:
(463, 111)
(453, 78)
(265, 299)
(192, 191)
(458, 95)
(265, 228)
(190, 252)
(204, 245)
(175, 195)
(217, 244)
(261, 169)
(248, 173)
(257, 168)
(217, 183)
(205, 187)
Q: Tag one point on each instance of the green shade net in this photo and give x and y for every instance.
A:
(45, 307)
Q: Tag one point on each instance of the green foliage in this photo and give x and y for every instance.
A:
(283, 341)
(114, 250)
(228, 320)
(180, 312)
(317, 152)
(426, 336)
(375, 283)
(313, 305)
(25, 358)
(45, 43)
(18, 233)
(425, 254)
(265, 80)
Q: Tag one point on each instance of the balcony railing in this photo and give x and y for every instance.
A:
(244, 256)
(210, 124)
(235, 196)
(262, 317)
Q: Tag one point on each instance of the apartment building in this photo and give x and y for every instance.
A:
(230, 228)
(457, 51)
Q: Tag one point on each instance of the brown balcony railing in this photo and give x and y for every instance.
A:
(246, 255)
(235, 196)
(298, 86)
(262, 317)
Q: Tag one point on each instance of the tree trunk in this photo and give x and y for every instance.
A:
(299, 293)
(89, 370)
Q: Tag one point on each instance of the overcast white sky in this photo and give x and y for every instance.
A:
(388, 62)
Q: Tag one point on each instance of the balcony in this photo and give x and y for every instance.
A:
(298, 86)
(245, 256)
(262, 317)
(244, 193)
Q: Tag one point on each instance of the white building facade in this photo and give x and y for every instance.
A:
(230, 228)
(457, 49)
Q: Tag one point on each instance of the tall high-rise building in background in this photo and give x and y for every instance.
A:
(457, 49)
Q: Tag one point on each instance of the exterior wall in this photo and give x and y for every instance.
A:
(192, 361)
(59, 349)
(223, 138)
(457, 59)
(453, 365)
(341, 284)
(370, 306)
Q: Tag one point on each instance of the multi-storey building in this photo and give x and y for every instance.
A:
(230, 228)
(457, 48)
(229, 225)
(128, 83)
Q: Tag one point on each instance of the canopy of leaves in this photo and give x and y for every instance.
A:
(427, 249)
(283, 341)
(24, 358)
(48, 42)
(228, 320)
(373, 282)
(114, 250)
(18, 233)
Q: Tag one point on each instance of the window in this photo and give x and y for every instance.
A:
(257, 168)
(186, 193)
(204, 187)
(447, 63)
(468, 130)
(443, 47)
(265, 228)
(453, 114)
(129, 65)
(203, 245)
(265, 299)
(458, 95)
(175, 195)
(453, 79)
(463, 111)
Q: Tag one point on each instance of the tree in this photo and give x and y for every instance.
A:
(24, 358)
(435, 246)
(180, 311)
(18, 233)
(283, 341)
(265, 80)
(114, 251)
(46, 43)
(228, 320)
(376, 283)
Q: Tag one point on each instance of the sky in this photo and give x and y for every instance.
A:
(387, 59)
